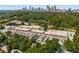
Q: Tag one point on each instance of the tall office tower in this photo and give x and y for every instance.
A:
(24, 8)
(42, 10)
(69, 10)
(39, 9)
(48, 8)
(30, 8)
(54, 8)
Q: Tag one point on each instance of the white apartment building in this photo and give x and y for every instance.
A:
(32, 30)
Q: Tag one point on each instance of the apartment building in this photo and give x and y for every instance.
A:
(30, 31)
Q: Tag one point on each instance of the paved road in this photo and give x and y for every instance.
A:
(14, 50)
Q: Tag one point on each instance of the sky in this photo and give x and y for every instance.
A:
(15, 7)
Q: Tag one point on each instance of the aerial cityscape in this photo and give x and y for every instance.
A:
(51, 9)
(39, 29)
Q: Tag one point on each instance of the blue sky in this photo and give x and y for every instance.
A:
(14, 7)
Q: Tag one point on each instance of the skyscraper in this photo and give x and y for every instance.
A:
(48, 8)
(54, 8)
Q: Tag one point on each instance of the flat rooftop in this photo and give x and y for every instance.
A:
(35, 29)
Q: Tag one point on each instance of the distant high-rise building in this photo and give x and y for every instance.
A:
(24, 8)
(30, 8)
(54, 8)
(48, 8)
(39, 9)
(69, 10)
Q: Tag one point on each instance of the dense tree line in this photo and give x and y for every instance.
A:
(56, 19)
(24, 44)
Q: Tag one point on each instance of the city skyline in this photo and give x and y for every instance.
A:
(16, 7)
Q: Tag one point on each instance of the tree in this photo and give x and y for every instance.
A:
(8, 42)
(45, 26)
(69, 45)
(2, 38)
(2, 27)
(33, 50)
(15, 45)
(8, 33)
(51, 46)
(26, 43)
